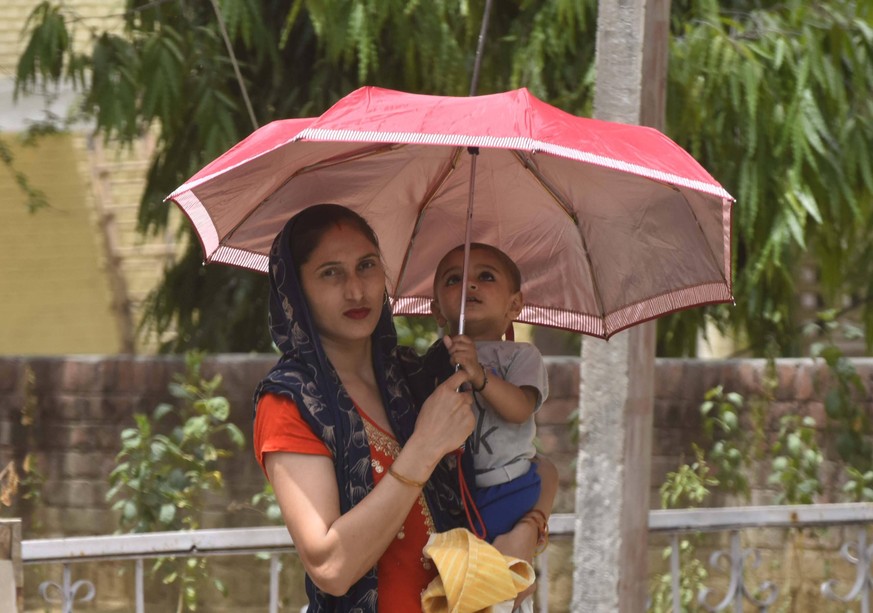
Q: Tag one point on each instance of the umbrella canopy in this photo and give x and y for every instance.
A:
(610, 224)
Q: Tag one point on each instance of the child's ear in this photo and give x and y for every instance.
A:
(437, 314)
(515, 305)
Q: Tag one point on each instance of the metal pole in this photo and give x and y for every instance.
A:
(139, 592)
(275, 568)
(674, 574)
(474, 155)
(474, 152)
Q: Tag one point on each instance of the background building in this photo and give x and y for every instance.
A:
(73, 274)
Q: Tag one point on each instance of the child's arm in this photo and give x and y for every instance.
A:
(514, 404)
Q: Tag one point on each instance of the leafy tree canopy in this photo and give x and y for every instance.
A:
(773, 98)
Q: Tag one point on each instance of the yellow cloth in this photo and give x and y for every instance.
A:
(473, 575)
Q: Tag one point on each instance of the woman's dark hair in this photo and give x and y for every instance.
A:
(312, 223)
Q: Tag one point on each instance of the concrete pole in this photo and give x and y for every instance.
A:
(617, 377)
(11, 570)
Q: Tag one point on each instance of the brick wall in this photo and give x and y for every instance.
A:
(81, 404)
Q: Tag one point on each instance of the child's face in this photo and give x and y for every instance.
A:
(492, 301)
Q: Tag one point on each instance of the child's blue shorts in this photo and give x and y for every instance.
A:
(501, 506)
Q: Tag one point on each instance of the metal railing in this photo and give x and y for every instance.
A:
(275, 542)
(734, 520)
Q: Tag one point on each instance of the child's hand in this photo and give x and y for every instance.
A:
(462, 352)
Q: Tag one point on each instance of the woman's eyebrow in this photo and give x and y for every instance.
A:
(340, 263)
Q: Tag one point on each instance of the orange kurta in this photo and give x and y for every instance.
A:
(403, 571)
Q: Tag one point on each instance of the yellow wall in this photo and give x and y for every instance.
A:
(54, 290)
(63, 249)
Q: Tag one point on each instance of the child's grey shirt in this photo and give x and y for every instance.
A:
(502, 450)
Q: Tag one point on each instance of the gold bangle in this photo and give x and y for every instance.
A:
(403, 479)
(541, 524)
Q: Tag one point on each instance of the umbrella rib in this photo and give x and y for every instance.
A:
(709, 252)
(559, 199)
(565, 206)
(429, 195)
(352, 156)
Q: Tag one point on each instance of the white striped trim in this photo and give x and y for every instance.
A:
(192, 184)
(523, 143)
(241, 258)
(200, 219)
(726, 221)
(709, 293)
(593, 325)
(206, 232)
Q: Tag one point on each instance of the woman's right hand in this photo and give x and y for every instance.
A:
(446, 418)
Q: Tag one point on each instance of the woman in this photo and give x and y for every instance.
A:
(361, 476)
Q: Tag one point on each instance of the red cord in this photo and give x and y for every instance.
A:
(467, 497)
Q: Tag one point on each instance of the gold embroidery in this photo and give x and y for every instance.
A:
(389, 446)
(428, 518)
(381, 441)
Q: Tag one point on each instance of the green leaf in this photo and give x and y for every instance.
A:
(128, 510)
(218, 407)
(236, 436)
(167, 514)
(833, 404)
(196, 428)
(161, 411)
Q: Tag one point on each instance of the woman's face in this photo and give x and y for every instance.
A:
(344, 284)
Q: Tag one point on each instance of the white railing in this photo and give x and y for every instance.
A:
(275, 542)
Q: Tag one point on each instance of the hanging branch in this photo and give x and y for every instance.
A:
(480, 47)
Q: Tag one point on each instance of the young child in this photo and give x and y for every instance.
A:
(509, 380)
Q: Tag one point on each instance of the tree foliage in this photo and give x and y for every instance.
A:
(773, 98)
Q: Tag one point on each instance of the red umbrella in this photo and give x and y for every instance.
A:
(610, 224)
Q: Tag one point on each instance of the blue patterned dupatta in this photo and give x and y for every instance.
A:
(305, 375)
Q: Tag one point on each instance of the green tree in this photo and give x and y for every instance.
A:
(773, 98)
(166, 464)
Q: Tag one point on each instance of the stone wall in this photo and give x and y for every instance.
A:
(79, 405)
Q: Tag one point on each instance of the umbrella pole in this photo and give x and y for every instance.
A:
(474, 155)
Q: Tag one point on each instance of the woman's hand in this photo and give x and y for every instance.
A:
(445, 421)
